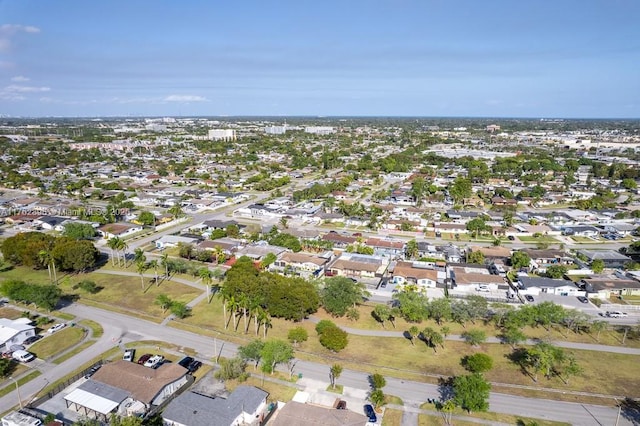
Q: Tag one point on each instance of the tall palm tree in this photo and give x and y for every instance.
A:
(243, 302)
(141, 267)
(232, 305)
(266, 323)
(257, 315)
(123, 246)
(112, 243)
(45, 258)
(138, 255)
(154, 264)
(207, 277)
(164, 261)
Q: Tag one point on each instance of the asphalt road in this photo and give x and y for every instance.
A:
(117, 326)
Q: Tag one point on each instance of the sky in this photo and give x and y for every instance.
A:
(434, 58)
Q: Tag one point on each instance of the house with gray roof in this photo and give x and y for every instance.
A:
(537, 285)
(611, 258)
(245, 405)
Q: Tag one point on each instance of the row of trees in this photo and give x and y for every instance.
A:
(44, 296)
(39, 251)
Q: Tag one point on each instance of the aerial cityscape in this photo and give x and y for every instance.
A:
(370, 213)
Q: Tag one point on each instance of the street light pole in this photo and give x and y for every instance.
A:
(18, 390)
(619, 409)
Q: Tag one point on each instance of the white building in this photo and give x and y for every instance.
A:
(276, 130)
(14, 332)
(320, 130)
(222, 135)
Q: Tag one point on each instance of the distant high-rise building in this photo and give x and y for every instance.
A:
(320, 130)
(222, 135)
(276, 130)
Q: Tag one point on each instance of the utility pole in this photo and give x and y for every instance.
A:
(18, 390)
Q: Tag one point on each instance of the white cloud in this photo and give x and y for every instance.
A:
(14, 88)
(185, 98)
(7, 31)
(20, 79)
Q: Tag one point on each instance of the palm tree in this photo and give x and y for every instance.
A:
(266, 322)
(141, 266)
(154, 264)
(207, 277)
(112, 243)
(176, 210)
(138, 256)
(164, 261)
(45, 258)
(243, 303)
(232, 304)
(123, 246)
(257, 315)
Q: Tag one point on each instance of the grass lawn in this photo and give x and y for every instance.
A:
(10, 313)
(542, 239)
(584, 240)
(277, 391)
(74, 352)
(437, 419)
(391, 399)
(96, 329)
(338, 389)
(392, 417)
(21, 381)
(57, 342)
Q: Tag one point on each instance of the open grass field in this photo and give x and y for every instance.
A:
(392, 417)
(541, 239)
(57, 342)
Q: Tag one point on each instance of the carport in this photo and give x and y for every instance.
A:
(96, 400)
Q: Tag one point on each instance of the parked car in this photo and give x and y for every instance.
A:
(370, 413)
(154, 361)
(144, 358)
(583, 299)
(511, 238)
(32, 339)
(23, 356)
(193, 367)
(529, 298)
(129, 354)
(185, 362)
(56, 327)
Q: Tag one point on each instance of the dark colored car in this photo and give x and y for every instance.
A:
(185, 362)
(583, 299)
(32, 339)
(144, 358)
(341, 405)
(370, 413)
(193, 367)
(511, 238)
(528, 297)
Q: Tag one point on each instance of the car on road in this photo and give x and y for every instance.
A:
(511, 238)
(615, 314)
(529, 298)
(583, 299)
(56, 327)
(129, 354)
(370, 413)
(144, 358)
(154, 361)
(32, 339)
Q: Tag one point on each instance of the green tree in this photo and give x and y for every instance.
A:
(377, 381)
(413, 333)
(377, 397)
(230, 369)
(252, 351)
(411, 249)
(460, 189)
(597, 266)
(476, 257)
(440, 309)
(180, 309)
(275, 352)
(141, 267)
(147, 218)
(477, 363)
(334, 338)
(381, 313)
(75, 256)
(513, 336)
(598, 326)
(520, 259)
(556, 271)
(297, 335)
(341, 293)
(164, 302)
(474, 337)
(334, 373)
(477, 225)
(79, 231)
(471, 392)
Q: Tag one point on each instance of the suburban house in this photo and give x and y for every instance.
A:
(608, 286)
(120, 229)
(474, 279)
(547, 257)
(620, 228)
(245, 406)
(537, 285)
(298, 413)
(358, 266)
(422, 274)
(50, 223)
(303, 264)
(493, 254)
(14, 332)
(339, 240)
(259, 250)
(139, 387)
(167, 241)
(611, 258)
(581, 231)
(228, 245)
(386, 247)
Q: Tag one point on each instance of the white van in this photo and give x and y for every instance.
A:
(23, 356)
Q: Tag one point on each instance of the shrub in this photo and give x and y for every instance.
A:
(334, 338)
(322, 324)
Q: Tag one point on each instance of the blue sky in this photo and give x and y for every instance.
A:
(496, 58)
